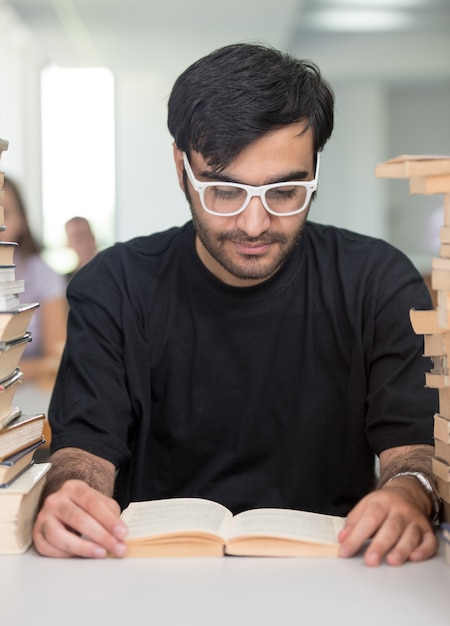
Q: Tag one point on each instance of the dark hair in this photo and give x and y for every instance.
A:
(27, 243)
(233, 96)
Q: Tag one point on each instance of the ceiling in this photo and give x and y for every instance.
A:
(125, 33)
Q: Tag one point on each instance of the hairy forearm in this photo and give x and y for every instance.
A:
(73, 463)
(396, 466)
(415, 458)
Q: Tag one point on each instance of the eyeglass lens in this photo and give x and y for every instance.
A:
(227, 198)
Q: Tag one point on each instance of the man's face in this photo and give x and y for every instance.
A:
(246, 249)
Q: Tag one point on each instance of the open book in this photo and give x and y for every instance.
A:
(181, 527)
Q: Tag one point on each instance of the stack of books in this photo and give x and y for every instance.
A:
(431, 175)
(21, 480)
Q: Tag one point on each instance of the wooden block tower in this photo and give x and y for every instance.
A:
(431, 175)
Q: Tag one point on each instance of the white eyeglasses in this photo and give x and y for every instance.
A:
(229, 199)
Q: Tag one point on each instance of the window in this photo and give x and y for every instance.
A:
(78, 156)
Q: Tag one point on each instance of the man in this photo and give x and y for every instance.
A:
(82, 241)
(248, 357)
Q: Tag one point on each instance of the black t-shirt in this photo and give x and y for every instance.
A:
(278, 394)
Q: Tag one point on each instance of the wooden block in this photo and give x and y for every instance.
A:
(440, 276)
(443, 299)
(427, 185)
(439, 263)
(444, 404)
(442, 450)
(425, 322)
(436, 381)
(407, 165)
(443, 489)
(436, 345)
(440, 280)
(441, 469)
(441, 428)
(444, 250)
(447, 209)
(444, 234)
(443, 317)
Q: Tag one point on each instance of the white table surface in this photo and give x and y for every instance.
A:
(223, 591)
(36, 591)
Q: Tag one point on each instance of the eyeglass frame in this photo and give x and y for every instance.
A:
(253, 191)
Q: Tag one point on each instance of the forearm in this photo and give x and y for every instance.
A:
(415, 458)
(73, 463)
(395, 462)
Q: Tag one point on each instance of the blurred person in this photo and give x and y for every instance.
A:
(42, 355)
(82, 241)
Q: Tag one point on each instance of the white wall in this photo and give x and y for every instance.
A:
(419, 123)
(376, 117)
(148, 196)
(20, 63)
(392, 98)
(349, 194)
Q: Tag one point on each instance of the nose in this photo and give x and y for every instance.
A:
(254, 220)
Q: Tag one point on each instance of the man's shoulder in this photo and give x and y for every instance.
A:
(357, 261)
(133, 261)
(337, 239)
(151, 245)
(141, 251)
(328, 231)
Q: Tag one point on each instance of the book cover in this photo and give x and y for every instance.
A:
(21, 433)
(7, 273)
(18, 506)
(14, 324)
(14, 465)
(8, 388)
(11, 287)
(10, 302)
(10, 355)
(7, 250)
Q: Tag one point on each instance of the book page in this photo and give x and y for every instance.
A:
(176, 515)
(300, 525)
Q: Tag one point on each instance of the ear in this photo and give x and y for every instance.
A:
(179, 165)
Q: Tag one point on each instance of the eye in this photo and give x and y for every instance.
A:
(283, 193)
(228, 192)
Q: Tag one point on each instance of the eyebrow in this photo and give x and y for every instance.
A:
(296, 175)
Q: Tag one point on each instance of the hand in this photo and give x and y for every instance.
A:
(78, 520)
(399, 530)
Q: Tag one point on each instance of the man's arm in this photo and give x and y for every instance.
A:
(396, 516)
(78, 516)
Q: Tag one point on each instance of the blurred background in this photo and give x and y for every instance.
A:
(84, 89)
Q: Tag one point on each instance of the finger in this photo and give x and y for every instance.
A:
(77, 503)
(393, 538)
(408, 549)
(44, 547)
(356, 533)
(53, 539)
(399, 541)
(93, 539)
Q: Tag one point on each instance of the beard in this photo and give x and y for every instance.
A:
(250, 267)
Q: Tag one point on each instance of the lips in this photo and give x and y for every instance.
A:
(252, 248)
